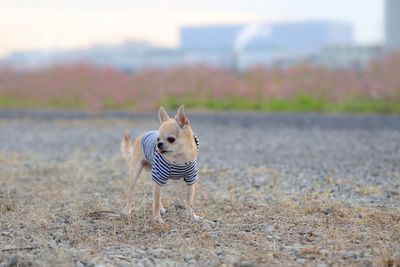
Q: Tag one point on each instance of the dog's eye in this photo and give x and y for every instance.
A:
(171, 139)
(158, 139)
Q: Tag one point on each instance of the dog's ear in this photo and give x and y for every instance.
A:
(181, 117)
(162, 115)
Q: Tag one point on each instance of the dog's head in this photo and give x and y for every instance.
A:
(176, 138)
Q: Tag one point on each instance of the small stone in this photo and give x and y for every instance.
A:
(295, 247)
(396, 257)
(226, 258)
(301, 261)
(366, 254)
(188, 257)
(192, 262)
(180, 207)
(367, 263)
(301, 232)
(329, 211)
(146, 262)
(392, 193)
(210, 223)
(245, 264)
(80, 264)
(349, 255)
(267, 227)
(206, 227)
(12, 260)
(140, 251)
(324, 252)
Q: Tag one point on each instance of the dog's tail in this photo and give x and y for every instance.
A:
(126, 146)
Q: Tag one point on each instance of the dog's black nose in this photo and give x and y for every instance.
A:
(160, 145)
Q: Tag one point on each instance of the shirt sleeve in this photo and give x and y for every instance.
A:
(160, 172)
(191, 174)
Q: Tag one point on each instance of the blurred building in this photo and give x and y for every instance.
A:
(392, 25)
(209, 38)
(303, 37)
(243, 46)
(347, 56)
(129, 56)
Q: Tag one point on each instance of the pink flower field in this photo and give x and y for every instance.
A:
(376, 88)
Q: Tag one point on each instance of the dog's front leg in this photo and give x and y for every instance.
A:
(190, 190)
(157, 204)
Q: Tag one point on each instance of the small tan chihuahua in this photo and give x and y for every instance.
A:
(169, 153)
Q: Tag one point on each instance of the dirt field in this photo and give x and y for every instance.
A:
(317, 190)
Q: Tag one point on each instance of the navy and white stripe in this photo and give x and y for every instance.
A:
(161, 169)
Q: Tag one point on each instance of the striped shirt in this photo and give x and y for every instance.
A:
(162, 170)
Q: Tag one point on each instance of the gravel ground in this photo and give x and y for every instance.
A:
(270, 186)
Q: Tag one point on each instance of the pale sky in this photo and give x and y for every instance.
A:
(55, 24)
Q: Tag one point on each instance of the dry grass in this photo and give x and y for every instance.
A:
(54, 214)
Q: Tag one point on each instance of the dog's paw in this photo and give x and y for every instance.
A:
(163, 211)
(192, 216)
(196, 218)
(158, 219)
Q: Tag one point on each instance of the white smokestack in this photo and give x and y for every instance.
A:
(248, 33)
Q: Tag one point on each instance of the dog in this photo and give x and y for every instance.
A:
(169, 153)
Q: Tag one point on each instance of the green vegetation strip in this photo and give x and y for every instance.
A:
(300, 103)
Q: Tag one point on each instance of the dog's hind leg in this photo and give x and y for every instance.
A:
(134, 174)
(136, 163)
